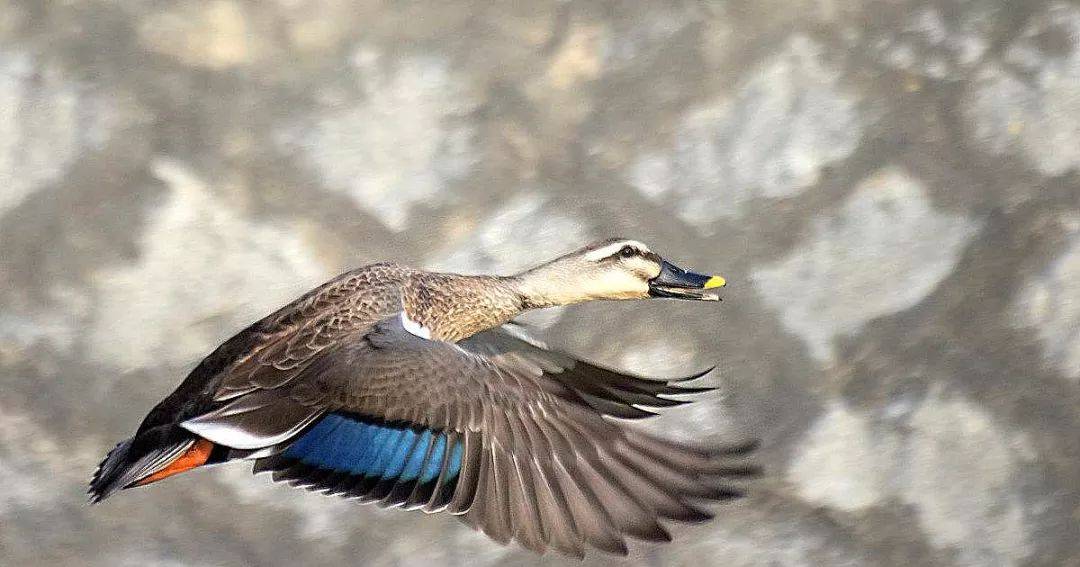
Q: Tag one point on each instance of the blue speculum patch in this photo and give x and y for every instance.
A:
(350, 444)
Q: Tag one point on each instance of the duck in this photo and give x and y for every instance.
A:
(419, 390)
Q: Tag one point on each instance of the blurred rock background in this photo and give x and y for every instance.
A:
(890, 186)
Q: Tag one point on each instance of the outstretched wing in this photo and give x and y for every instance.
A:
(607, 391)
(503, 438)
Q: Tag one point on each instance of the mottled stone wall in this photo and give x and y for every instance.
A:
(891, 187)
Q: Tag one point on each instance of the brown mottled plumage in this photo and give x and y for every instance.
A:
(454, 307)
(456, 408)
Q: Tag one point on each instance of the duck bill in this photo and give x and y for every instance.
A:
(677, 283)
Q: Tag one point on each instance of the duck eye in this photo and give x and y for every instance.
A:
(628, 252)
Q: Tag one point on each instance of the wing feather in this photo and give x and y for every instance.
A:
(605, 390)
(443, 490)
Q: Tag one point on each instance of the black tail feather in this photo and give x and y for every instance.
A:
(104, 481)
(136, 458)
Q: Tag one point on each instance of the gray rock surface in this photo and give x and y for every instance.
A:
(892, 189)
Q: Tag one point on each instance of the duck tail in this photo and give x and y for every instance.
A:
(149, 457)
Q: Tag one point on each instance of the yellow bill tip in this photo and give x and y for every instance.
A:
(714, 282)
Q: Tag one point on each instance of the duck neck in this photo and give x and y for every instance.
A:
(547, 285)
(451, 307)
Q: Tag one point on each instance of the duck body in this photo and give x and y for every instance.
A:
(361, 296)
(413, 389)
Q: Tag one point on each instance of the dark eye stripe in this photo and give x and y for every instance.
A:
(624, 251)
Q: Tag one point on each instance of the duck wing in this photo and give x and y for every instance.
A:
(608, 391)
(404, 421)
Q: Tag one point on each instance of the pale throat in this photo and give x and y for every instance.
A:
(547, 286)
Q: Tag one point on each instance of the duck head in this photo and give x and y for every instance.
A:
(614, 269)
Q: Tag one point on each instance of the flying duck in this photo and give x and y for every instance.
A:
(415, 389)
